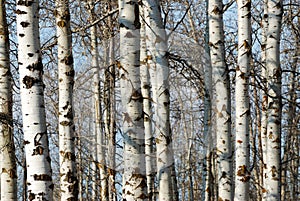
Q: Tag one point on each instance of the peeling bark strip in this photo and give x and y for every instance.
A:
(8, 171)
(32, 100)
(134, 177)
(220, 100)
(66, 73)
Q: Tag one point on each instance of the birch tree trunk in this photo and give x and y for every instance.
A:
(208, 177)
(112, 128)
(134, 178)
(146, 92)
(98, 113)
(273, 168)
(221, 100)
(39, 180)
(111, 152)
(242, 152)
(264, 114)
(164, 155)
(294, 166)
(8, 174)
(68, 176)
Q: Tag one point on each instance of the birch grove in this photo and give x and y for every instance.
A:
(149, 100)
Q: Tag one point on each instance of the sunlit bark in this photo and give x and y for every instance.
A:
(8, 169)
(39, 179)
(134, 176)
(220, 100)
(273, 167)
(242, 152)
(68, 176)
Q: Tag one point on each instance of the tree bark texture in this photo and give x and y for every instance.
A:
(8, 169)
(39, 179)
(134, 176)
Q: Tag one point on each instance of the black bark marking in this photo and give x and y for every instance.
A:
(11, 172)
(25, 3)
(68, 155)
(48, 159)
(35, 66)
(38, 138)
(29, 81)
(66, 123)
(217, 10)
(30, 54)
(137, 23)
(61, 23)
(18, 12)
(68, 60)
(25, 24)
(42, 177)
(31, 196)
(122, 25)
(136, 96)
(38, 151)
(69, 114)
(66, 106)
(51, 186)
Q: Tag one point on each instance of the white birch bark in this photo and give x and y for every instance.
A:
(220, 100)
(134, 176)
(68, 176)
(97, 107)
(158, 49)
(294, 166)
(208, 178)
(8, 169)
(39, 181)
(264, 115)
(242, 152)
(112, 128)
(273, 168)
(146, 92)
